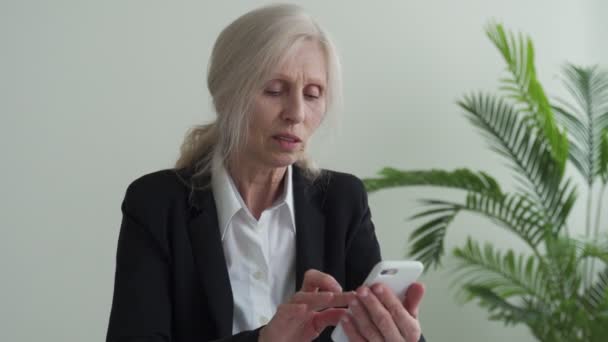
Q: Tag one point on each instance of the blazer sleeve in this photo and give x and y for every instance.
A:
(363, 249)
(141, 306)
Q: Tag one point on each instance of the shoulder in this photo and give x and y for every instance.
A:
(342, 189)
(341, 181)
(156, 191)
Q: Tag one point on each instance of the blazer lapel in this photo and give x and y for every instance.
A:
(203, 228)
(310, 226)
(209, 258)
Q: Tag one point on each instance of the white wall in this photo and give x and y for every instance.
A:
(95, 93)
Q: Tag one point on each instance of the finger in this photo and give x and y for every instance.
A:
(379, 315)
(407, 325)
(307, 331)
(289, 314)
(316, 280)
(363, 322)
(413, 297)
(323, 300)
(287, 318)
(342, 299)
(315, 322)
(327, 318)
(350, 330)
(314, 300)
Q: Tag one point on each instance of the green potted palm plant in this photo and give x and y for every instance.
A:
(559, 286)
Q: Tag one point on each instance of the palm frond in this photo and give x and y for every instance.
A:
(562, 257)
(516, 213)
(463, 179)
(427, 241)
(561, 204)
(594, 301)
(500, 309)
(593, 249)
(603, 169)
(515, 139)
(596, 296)
(586, 119)
(524, 88)
(506, 274)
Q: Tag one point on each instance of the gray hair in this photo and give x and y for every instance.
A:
(243, 58)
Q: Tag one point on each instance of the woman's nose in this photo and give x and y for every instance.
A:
(294, 108)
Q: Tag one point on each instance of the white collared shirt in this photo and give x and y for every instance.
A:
(260, 255)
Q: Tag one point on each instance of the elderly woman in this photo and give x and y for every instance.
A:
(245, 239)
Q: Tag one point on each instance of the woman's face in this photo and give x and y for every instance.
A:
(289, 108)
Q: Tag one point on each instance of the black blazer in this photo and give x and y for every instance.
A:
(171, 280)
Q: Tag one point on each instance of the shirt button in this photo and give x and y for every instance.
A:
(258, 275)
(263, 319)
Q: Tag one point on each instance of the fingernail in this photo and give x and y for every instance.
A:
(378, 289)
(363, 292)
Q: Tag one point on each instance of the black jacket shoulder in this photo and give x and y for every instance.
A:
(159, 189)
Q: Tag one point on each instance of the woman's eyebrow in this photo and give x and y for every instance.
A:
(311, 80)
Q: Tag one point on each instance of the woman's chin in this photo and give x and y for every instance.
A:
(283, 160)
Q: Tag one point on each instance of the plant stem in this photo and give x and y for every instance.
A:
(588, 267)
(598, 213)
(588, 216)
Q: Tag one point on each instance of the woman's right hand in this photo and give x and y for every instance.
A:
(319, 303)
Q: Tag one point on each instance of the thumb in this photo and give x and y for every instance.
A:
(413, 297)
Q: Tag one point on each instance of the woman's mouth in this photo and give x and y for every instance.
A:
(287, 141)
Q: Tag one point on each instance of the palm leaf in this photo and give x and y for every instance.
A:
(463, 179)
(562, 256)
(516, 140)
(594, 301)
(500, 309)
(586, 119)
(427, 241)
(516, 213)
(524, 88)
(603, 169)
(596, 296)
(593, 249)
(507, 275)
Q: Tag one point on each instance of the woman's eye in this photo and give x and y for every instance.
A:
(312, 92)
(272, 92)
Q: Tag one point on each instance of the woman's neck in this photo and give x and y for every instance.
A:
(259, 186)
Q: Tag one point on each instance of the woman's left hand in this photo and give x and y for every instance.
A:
(378, 315)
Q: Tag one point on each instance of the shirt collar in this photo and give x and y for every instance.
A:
(229, 201)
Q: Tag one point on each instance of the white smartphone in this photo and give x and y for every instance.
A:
(396, 275)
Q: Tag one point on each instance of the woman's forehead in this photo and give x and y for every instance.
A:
(306, 60)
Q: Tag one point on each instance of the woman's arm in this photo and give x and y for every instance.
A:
(363, 250)
(142, 303)
(141, 306)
